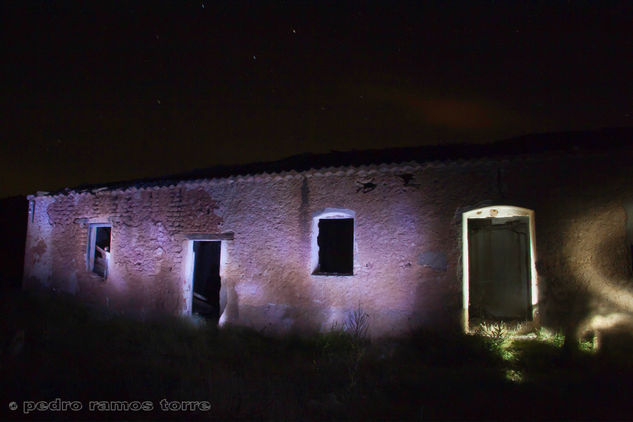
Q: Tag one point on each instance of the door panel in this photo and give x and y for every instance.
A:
(499, 268)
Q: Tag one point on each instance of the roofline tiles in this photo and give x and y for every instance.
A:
(495, 153)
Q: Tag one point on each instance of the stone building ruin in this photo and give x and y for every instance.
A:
(534, 229)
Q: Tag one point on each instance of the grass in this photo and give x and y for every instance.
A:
(54, 348)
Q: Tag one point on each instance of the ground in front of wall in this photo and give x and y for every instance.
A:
(56, 353)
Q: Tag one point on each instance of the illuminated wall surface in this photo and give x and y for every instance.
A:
(407, 242)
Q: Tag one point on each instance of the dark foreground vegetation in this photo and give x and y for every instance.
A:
(53, 349)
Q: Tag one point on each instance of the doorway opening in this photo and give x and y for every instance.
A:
(499, 271)
(206, 280)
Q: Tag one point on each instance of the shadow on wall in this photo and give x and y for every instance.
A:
(271, 297)
(289, 305)
(283, 299)
(13, 222)
(440, 298)
(597, 295)
(438, 292)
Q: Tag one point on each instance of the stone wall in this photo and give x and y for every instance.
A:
(407, 246)
(147, 249)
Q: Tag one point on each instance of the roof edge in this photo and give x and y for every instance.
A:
(310, 163)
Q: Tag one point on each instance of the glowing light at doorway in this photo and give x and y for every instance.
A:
(498, 211)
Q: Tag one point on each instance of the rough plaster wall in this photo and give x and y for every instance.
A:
(37, 253)
(407, 263)
(269, 283)
(146, 247)
(263, 275)
(583, 257)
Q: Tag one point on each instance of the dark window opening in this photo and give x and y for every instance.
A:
(101, 250)
(206, 280)
(336, 246)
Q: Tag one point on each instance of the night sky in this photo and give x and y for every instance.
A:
(96, 91)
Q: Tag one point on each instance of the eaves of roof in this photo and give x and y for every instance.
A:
(537, 146)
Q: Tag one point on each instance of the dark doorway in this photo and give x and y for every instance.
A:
(206, 280)
(499, 268)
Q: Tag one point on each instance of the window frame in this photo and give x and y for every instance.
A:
(92, 241)
(331, 214)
